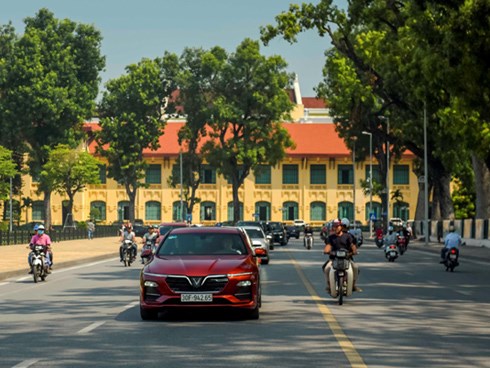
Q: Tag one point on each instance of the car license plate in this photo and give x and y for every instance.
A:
(196, 298)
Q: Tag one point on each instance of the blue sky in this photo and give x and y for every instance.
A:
(132, 30)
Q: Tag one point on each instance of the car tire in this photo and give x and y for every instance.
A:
(148, 314)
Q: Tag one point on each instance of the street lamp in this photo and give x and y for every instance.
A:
(370, 180)
(387, 169)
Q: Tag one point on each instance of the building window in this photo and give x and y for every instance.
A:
(208, 175)
(401, 210)
(318, 211)
(153, 174)
(153, 210)
(263, 174)
(262, 211)
(38, 211)
(103, 174)
(240, 173)
(376, 210)
(346, 174)
(98, 210)
(289, 211)
(346, 210)
(208, 211)
(230, 211)
(290, 174)
(123, 210)
(318, 174)
(176, 215)
(376, 173)
(400, 175)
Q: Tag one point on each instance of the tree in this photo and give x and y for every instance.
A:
(387, 59)
(249, 102)
(52, 78)
(198, 73)
(7, 171)
(131, 112)
(69, 171)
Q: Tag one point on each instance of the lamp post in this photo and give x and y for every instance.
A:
(387, 169)
(370, 181)
(426, 181)
(181, 189)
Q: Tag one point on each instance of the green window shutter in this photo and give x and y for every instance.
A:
(263, 174)
(346, 174)
(153, 174)
(290, 174)
(401, 175)
(318, 174)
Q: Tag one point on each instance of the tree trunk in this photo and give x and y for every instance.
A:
(420, 209)
(236, 201)
(132, 201)
(482, 187)
(47, 209)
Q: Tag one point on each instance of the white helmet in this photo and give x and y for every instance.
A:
(40, 227)
(390, 228)
(345, 222)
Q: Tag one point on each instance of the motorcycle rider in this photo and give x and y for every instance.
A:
(390, 237)
(308, 230)
(345, 228)
(452, 240)
(151, 236)
(41, 238)
(128, 234)
(340, 240)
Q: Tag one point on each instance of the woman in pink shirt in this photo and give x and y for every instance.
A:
(41, 238)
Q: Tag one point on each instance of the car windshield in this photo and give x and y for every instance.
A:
(254, 233)
(166, 228)
(275, 226)
(202, 244)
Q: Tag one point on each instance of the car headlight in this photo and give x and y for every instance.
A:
(230, 275)
(151, 284)
(245, 283)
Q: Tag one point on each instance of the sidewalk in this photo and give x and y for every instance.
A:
(13, 258)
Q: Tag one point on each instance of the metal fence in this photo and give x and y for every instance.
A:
(57, 234)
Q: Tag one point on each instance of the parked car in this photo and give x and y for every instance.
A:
(260, 242)
(264, 225)
(207, 267)
(140, 230)
(292, 232)
(299, 223)
(396, 221)
(278, 232)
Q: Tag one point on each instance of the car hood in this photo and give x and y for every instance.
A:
(198, 265)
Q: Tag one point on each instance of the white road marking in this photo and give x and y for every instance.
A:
(130, 305)
(91, 327)
(26, 363)
(3, 283)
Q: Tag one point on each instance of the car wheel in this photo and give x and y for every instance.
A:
(148, 314)
(265, 261)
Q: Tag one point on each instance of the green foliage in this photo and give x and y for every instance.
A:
(464, 201)
(7, 171)
(132, 119)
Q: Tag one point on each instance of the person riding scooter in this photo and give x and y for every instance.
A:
(308, 232)
(43, 239)
(452, 240)
(128, 234)
(390, 237)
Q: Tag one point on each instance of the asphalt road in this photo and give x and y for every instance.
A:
(411, 313)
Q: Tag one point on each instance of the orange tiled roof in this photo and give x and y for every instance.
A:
(311, 139)
(314, 103)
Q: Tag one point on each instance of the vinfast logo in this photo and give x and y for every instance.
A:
(196, 282)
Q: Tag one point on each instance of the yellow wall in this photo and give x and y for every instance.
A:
(276, 193)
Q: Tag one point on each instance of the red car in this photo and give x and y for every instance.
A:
(210, 267)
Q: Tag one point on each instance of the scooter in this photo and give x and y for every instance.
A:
(145, 256)
(451, 259)
(127, 252)
(308, 241)
(401, 242)
(379, 240)
(39, 265)
(341, 276)
(391, 252)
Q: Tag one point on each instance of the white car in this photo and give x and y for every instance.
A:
(260, 242)
(299, 223)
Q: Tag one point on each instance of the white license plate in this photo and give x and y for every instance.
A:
(452, 256)
(196, 298)
(392, 254)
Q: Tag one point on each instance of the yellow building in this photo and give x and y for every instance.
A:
(314, 183)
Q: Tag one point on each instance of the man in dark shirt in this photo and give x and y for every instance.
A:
(340, 240)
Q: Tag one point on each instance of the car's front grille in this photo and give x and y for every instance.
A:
(209, 284)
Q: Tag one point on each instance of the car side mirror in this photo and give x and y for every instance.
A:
(147, 253)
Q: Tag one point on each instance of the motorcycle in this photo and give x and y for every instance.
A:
(39, 265)
(341, 276)
(401, 242)
(145, 256)
(308, 241)
(451, 259)
(379, 240)
(127, 252)
(391, 252)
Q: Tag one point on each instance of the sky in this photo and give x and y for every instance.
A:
(133, 30)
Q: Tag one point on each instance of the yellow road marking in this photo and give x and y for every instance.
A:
(345, 344)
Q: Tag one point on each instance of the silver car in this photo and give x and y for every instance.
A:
(260, 242)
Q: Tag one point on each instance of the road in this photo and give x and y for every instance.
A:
(411, 313)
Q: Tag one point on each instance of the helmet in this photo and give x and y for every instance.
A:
(36, 227)
(155, 226)
(40, 227)
(390, 228)
(336, 222)
(345, 222)
(451, 228)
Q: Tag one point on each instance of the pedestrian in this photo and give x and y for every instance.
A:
(90, 229)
